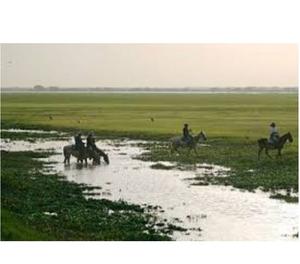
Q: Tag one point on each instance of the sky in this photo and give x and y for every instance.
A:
(149, 65)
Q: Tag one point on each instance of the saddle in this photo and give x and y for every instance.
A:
(273, 143)
(80, 150)
(274, 139)
(187, 140)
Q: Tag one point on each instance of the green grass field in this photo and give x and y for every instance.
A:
(220, 115)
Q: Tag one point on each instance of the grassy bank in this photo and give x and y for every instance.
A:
(35, 206)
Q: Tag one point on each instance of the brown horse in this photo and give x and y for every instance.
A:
(263, 143)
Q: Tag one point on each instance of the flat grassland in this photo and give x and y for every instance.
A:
(220, 115)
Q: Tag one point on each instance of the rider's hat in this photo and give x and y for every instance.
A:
(272, 124)
(185, 124)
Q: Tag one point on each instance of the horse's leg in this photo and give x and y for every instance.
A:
(195, 150)
(67, 159)
(279, 152)
(267, 153)
(172, 149)
(259, 151)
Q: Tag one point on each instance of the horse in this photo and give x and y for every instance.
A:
(178, 142)
(264, 143)
(86, 153)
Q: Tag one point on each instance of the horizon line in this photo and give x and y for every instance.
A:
(146, 87)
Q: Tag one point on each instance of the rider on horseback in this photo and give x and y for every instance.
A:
(91, 144)
(274, 135)
(90, 141)
(79, 145)
(186, 134)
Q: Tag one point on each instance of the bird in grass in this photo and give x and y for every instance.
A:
(152, 119)
(50, 117)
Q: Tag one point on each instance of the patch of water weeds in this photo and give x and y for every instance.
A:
(205, 174)
(162, 166)
(286, 198)
(52, 206)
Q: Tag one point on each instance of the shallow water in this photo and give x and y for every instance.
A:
(223, 213)
(16, 130)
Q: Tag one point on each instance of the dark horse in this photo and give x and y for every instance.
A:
(87, 153)
(263, 143)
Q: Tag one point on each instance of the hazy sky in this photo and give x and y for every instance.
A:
(149, 65)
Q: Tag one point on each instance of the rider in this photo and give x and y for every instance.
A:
(186, 133)
(90, 141)
(79, 145)
(274, 135)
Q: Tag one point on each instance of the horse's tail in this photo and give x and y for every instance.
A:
(67, 154)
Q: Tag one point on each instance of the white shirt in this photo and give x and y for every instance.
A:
(273, 130)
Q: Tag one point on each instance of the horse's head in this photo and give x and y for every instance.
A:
(290, 137)
(96, 159)
(106, 159)
(202, 136)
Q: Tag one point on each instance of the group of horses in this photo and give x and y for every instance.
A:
(175, 144)
(84, 154)
(263, 143)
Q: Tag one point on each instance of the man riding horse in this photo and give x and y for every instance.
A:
(91, 145)
(274, 135)
(91, 142)
(187, 138)
(79, 145)
(274, 141)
